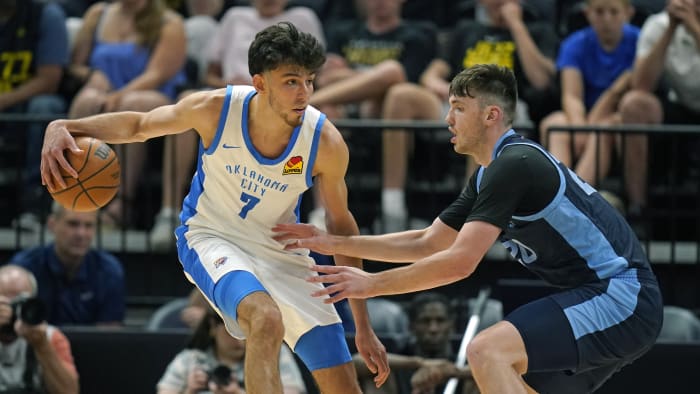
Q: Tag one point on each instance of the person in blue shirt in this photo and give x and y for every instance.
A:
(33, 52)
(78, 284)
(595, 66)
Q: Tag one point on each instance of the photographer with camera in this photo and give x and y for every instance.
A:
(35, 357)
(212, 362)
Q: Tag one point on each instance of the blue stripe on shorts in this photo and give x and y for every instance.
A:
(323, 347)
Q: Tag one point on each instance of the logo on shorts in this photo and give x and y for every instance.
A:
(219, 262)
(293, 166)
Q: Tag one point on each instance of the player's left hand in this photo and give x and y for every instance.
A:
(343, 282)
(373, 353)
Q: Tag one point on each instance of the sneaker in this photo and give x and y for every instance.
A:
(27, 223)
(162, 235)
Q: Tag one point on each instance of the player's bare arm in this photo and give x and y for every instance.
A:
(402, 247)
(330, 168)
(198, 111)
(444, 267)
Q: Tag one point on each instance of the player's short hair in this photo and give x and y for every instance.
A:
(491, 84)
(282, 44)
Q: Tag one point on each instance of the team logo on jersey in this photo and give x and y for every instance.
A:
(219, 262)
(293, 166)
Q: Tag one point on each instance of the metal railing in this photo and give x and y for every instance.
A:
(435, 132)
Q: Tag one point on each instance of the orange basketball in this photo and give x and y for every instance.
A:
(98, 179)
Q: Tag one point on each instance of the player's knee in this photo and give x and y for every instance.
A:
(267, 321)
(484, 351)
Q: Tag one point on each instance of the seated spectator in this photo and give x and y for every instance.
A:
(200, 26)
(136, 52)
(594, 65)
(35, 357)
(226, 59)
(78, 285)
(33, 52)
(426, 363)
(213, 356)
(498, 36)
(365, 59)
(667, 50)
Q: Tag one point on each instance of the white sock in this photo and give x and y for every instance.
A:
(393, 202)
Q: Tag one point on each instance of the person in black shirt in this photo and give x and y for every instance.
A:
(609, 310)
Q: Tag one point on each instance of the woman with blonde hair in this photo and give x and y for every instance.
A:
(134, 52)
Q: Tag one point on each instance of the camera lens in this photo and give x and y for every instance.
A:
(30, 310)
(221, 375)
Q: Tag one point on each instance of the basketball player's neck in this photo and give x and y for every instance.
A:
(268, 132)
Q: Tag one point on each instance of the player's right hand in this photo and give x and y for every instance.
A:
(300, 235)
(56, 140)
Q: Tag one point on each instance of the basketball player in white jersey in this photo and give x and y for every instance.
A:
(261, 147)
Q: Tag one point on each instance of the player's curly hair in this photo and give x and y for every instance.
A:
(283, 44)
(491, 84)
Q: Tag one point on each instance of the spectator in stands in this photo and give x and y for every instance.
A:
(196, 369)
(226, 60)
(33, 52)
(594, 64)
(200, 26)
(609, 309)
(499, 36)
(667, 52)
(426, 363)
(366, 58)
(135, 50)
(78, 285)
(35, 357)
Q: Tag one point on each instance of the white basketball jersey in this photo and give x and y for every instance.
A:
(238, 194)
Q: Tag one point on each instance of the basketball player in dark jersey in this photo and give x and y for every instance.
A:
(609, 311)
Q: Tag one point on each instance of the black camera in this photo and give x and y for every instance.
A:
(221, 375)
(30, 309)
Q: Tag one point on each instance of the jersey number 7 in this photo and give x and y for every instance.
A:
(250, 203)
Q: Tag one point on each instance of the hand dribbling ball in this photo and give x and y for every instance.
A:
(98, 179)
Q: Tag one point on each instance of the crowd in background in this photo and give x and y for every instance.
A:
(387, 59)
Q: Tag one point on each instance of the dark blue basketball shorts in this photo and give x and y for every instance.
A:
(576, 339)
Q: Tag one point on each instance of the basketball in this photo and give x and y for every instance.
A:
(98, 179)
